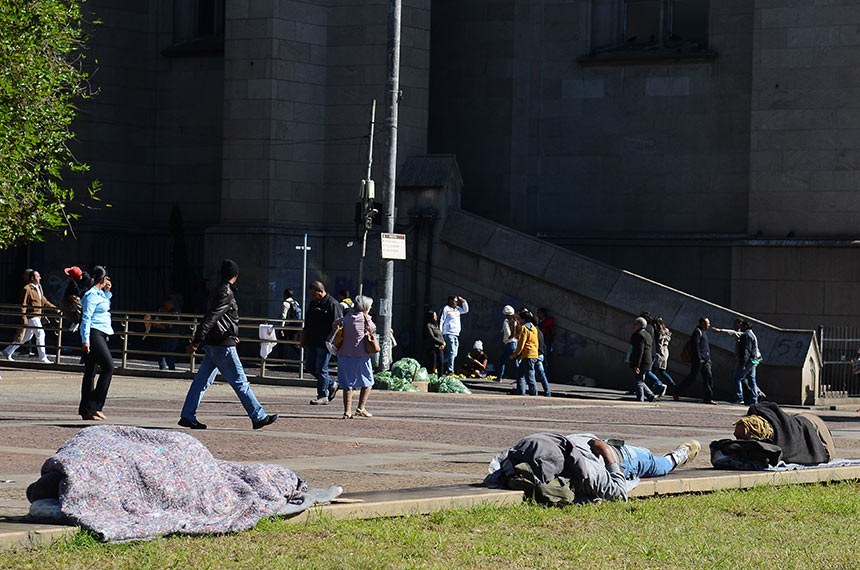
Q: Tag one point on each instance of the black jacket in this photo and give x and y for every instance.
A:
(320, 316)
(433, 338)
(642, 353)
(220, 325)
(700, 345)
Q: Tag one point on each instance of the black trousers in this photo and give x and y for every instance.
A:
(697, 367)
(93, 398)
(434, 360)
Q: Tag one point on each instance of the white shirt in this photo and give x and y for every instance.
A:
(449, 320)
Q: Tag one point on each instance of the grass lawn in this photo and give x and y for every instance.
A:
(811, 526)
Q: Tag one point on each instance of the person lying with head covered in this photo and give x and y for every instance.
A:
(556, 469)
(768, 435)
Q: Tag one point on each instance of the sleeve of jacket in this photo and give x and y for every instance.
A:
(697, 340)
(220, 305)
(521, 342)
(637, 344)
(88, 308)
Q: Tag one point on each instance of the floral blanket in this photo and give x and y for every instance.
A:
(129, 483)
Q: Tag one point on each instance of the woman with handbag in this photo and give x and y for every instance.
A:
(354, 371)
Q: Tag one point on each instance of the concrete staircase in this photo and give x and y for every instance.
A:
(594, 305)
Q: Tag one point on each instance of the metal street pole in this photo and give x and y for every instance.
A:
(305, 249)
(386, 301)
(367, 195)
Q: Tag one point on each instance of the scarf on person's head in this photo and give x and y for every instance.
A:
(756, 427)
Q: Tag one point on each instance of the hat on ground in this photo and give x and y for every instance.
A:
(478, 345)
(508, 311)
(229, 268)
(73, 271)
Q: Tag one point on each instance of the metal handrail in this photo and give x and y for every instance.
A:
(127, 323)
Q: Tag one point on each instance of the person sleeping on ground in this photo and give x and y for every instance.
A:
(768, 435)
(562, 469)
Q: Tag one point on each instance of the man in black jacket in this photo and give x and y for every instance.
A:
(641, 357)
(322, 312)
(219, 334)
(700, 361)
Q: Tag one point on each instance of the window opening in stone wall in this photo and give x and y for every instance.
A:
(198, 27)
(655, 28)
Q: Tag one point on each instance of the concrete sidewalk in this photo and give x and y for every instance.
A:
(419, 453)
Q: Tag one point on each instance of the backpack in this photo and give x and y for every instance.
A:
(295, 311)
(687, 351)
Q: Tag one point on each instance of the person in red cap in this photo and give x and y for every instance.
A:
(79, 282)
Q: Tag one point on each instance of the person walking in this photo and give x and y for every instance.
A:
(218, 333)
(291, 310)
(662, 338)
(546, 324)
(700, 362)
(434, 344)
(95, 330)
(31, 317)
(641, 358)
(527, 352)
(509, 339)
(354, 371)
(748, 358)
(322, 312)
(449, 322)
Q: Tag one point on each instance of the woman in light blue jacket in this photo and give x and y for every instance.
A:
(95, 334)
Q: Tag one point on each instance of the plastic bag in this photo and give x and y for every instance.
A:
(448, 385)
(386, 381)
(405, 368)
(421, 375)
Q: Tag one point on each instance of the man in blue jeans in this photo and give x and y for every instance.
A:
(595, 468)
(219, 334)
(449, 322)
(322, 312)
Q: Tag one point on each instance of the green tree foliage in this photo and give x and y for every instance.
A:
(41, 78)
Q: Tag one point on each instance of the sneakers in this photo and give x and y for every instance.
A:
(663, 390)
(191, 424)
(45, 360)
(320, 401)
(270, 419)
(8, 356)
(685, 452)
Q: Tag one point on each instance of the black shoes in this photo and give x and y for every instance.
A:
(191, 424)
(332, 392)
(270, 419)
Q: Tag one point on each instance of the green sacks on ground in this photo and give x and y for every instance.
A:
(385, 381)
(448, 385)
(421, 375)
(405, 368)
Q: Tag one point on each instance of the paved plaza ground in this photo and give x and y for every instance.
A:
(414, 440)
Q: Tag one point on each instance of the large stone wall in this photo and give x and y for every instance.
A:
(549, 144)
(805, 169)
(594, 306)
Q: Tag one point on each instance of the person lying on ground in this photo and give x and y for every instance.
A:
(556, 469)
(767, 435)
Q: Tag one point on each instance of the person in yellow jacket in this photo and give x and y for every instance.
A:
(527, 353)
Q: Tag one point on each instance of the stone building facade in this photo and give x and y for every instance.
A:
(713, 146)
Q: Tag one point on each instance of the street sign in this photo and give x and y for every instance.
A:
(393, 246)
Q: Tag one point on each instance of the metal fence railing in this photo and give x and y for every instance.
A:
(150, 340)
(839, 348)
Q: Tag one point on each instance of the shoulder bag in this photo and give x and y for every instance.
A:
(371, 343)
